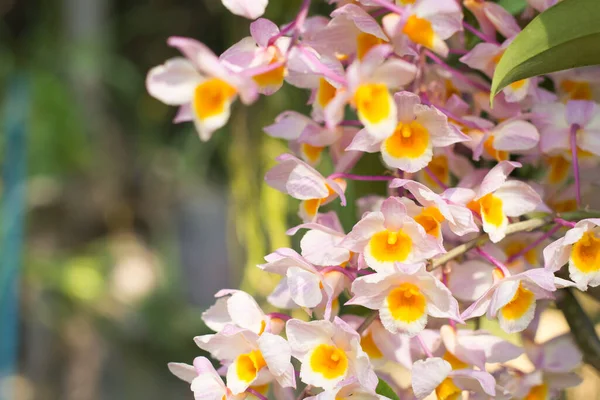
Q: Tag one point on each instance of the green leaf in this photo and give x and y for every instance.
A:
(385, 390)
(565, 36)
(513, 6)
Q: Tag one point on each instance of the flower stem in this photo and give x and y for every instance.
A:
(533, 245)
(479, 34)
(255, 393)
(493, 260)
(389, 5)
(456, 73)
(434, 177)
(424, 346)
(320, 67)
(565, 223)
(573, 140)
(295, 24)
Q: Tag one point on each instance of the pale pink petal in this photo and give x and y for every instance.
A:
(482, 57)
(250, 9)
(474, 381)
(427, 375)
(496, 177)
(361, 19)
(406, 102)
(184, 114)
(502, 20)
(579, 112)
(288, 125)
(296, 178)
(470, 280)
(185, 372)
(518, 198)
(174, 82)
(436, 123)
(515, 135)
(394, 213)
(304, 287)
(395, 73)
(262, 30)
(358, 238)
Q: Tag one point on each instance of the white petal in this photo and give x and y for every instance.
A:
(427, 375)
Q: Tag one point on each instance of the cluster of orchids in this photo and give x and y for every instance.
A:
(457, 237)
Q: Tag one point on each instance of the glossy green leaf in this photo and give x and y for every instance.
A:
(384, 389)
(564, 36)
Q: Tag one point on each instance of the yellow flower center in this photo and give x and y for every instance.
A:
(577, 90)
(430, 219)
(410, 140)
(586, 253)
(373, 102)
(211, 97)
(488, 146)
(490, 209)
(539, 392)
(249, 364)
(368, 345)
(406, 303)
(312, 153)
(439, 167)
(563, 206)
(365, 42)
(518, 84)
(454, 362)
(329, 361)
(419, 30)
(273, 77)
(390, 246)
(519, 304)
(325, 92)
(447, 390)
(559, 169)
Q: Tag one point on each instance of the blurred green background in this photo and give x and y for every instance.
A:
(131, 223)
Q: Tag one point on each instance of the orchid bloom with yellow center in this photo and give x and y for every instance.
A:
(580, 248)
(435, 375)
(252, 360)
(202, 85)
(404, 298)
(512, 299)
(329, 352)
(389, 237)
(418, 131)
(497, 199)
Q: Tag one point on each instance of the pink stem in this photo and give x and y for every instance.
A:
(456, 73)
(491, 259)
(361, 177)
(458, 51)
(351, 123)
(281, 316)
(255, 393)
(479, 34)
(563, 222)
(295, 24)
(389, 5)
(424, 346)
(534, 244)
(435, 178)
(322, 68)
(573, 137)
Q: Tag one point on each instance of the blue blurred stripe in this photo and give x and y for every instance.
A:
(14, 167)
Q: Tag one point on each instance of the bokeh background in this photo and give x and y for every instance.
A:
(117, 226)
